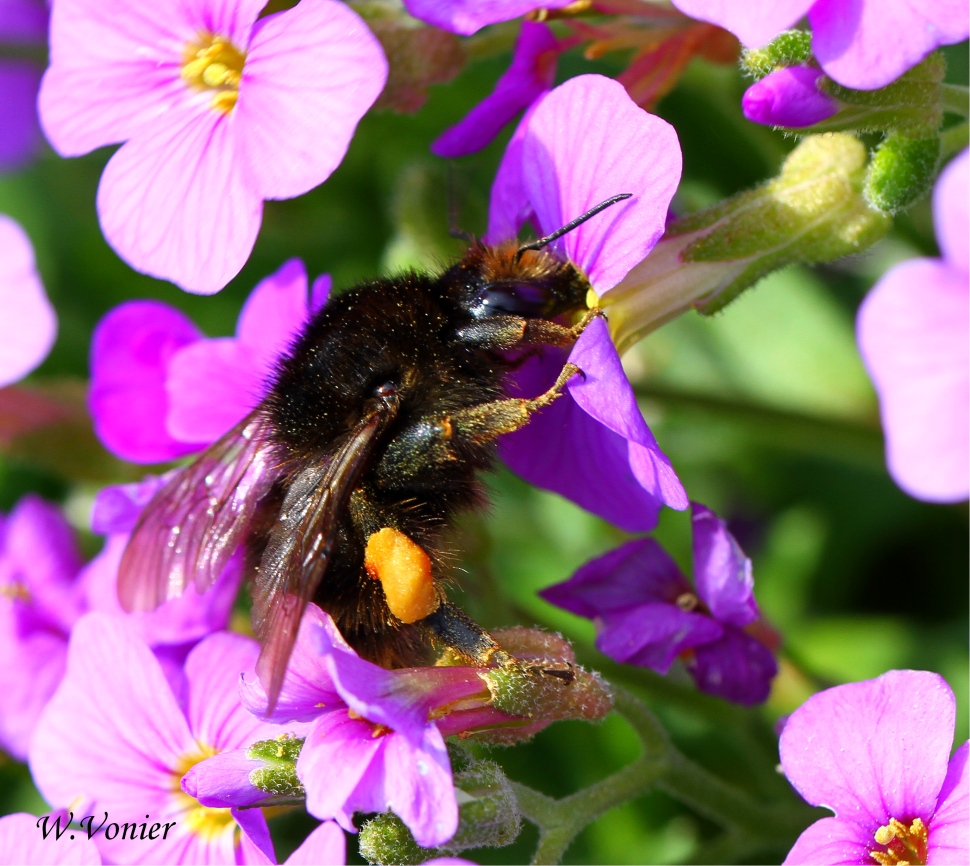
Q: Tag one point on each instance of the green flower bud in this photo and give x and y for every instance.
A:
(814, 211)
(786, 49)
(487, 807)
(387, 841)
(902, 170)
(278, 775)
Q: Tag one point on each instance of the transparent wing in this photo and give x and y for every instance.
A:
(192, 526)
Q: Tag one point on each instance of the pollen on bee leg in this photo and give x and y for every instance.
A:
(404, 570)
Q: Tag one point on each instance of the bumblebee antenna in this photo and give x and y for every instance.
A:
(558, 233)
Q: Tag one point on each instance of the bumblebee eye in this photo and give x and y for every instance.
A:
(517, 299)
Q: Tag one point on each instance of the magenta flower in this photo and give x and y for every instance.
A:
(21, 841)
(28, 324)
(530, 76)
(877, 753)
(914, 337)
(123, 742)
(790, 97)
(22, 23)
(466, 16)
(218, 111)
(583, 143)
(647, 613)
(862, 44)
(160, 390)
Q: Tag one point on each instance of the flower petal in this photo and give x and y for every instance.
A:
(586, 142)
(466, 16)
(255, 844)
(274, 313)
(873, 750)
(174, 202)
(130, 352)
(20, 136)
(22, 841)
(312, 72)
(23, 21)
(223, 780)
(951, 212)
(530, 75)
(949, 831)
(865, 45)
(831, 841)
(325, 846)
(722, 573)
(755, 22)
(914, 337)
(639, 571)
(509, 207)
(788, 97)
(735, 667)
(28, 324)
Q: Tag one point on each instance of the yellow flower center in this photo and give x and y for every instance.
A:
(213, 63)
(201, 820)
(903, 846)
(15, 591)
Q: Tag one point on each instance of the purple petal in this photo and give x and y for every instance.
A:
(466, 16)
(951, 212)
(586, 142)
(653, 635)
(949, 835)
(175, 202)
(873, 750)
(256, 845)
(865, 44)
(28, 324)
(22, 842)
(274, 313)
(509, 207)
(638, 572)
(735, 667)
(320, 292)
(117, 507)
(223, 780)
(530, 75)
(211, 386)
(913, 334)
(788, 97)
(130, 352)
(23, 21)
(755, 22)
(20, 136)
(831, 841)
(722, 573)
(308, 690)
(325, 846)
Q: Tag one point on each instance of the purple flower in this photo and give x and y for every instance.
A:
(466, 16)
(862, 44)
(218, 111)
(583, 143)
(877, 753)
(914, 336)
(22, 23)
(119, 736)
(788, 97)
(28, 324)
(21, 841)
(160, 389)
(648, 614)
(530, 76)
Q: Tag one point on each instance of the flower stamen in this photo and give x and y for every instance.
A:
(905, 846)
(213, 63)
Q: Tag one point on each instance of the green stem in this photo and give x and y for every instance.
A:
(955, 99)
(954, 139)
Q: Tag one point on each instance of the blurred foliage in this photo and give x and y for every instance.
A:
(765, 411)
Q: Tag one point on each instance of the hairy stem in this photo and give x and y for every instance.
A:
(956, 99)
(954, 139)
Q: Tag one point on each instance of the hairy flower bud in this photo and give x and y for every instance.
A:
(902, 170)
(387, 841)
(278, 775)
(791, 48)
(488, 809)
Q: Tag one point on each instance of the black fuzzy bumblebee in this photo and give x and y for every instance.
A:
(342, 482)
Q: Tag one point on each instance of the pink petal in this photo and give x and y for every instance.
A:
(325, 846)
(865, 44)
(312, 72)
(274, 314)
(223, 780)
(22, 842)
(755, 22)
(722, 572)
(256, 845)
(949, 837)
(20, 135)
(28, 324)
(211, 386)
(914, 336)
(951, 212)
(586, 142)
(873, 750)
(130, 352)
(831, 841)
(466, 16)
(509, 207)
(174, 201)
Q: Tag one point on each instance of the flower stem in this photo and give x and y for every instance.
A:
(955, 99)
(954, 139)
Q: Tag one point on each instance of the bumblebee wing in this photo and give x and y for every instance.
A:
(194, 523)
(300, 547)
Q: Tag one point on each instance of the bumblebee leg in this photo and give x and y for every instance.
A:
(454, 628)
(507, 332)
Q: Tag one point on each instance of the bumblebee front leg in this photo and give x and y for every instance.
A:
(507, 332)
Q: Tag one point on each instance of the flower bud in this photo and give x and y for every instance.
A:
(487, 807)
(386, 839)
(278, 775)
(902, 170)
(790, 48)
(789, 97)
(814, 211)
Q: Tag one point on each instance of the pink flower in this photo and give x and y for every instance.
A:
(788, 97)
(467, 16)
(22, 841)
(23, 23)
(863, 44)
(914, 336)
(877, 753)
(28, 324)
(218, 111)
